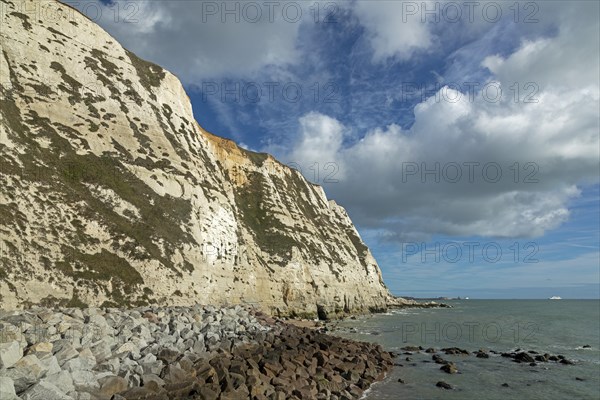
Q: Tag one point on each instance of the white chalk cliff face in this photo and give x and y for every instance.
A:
(112, 194)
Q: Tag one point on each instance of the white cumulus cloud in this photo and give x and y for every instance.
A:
(205, 39)
(544, 149)
(394, 28)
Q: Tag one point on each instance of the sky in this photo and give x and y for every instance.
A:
(463, 138)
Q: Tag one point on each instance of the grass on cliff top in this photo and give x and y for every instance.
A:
(257, 158)
(151, 75)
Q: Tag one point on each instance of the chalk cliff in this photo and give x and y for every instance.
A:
(112, 194)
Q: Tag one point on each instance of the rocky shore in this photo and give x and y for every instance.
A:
(438, 356)
(199, 352)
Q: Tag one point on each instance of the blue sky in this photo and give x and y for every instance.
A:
(389, 90)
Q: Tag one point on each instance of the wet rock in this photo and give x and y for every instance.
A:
(206, 393)
(505, 385)
(143, 393)
(449, 368)
(174, 374)
(523, 357)
(455, 350)
(438, 359)
(410, 348)
(147, 378)
(112, 385)
(168, 356)
(566, 362)
(205, 371)
(444, 385)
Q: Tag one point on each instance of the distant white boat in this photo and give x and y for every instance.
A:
(555, 298)
(466, 298)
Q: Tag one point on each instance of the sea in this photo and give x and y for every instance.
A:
(559, 327)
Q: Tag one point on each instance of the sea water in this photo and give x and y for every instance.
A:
(546, 326)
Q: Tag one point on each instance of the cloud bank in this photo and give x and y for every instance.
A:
(502, 163)
(475, 161)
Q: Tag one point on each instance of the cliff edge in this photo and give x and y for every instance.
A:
(112, 194)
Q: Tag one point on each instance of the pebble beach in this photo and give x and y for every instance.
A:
(199, 352)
